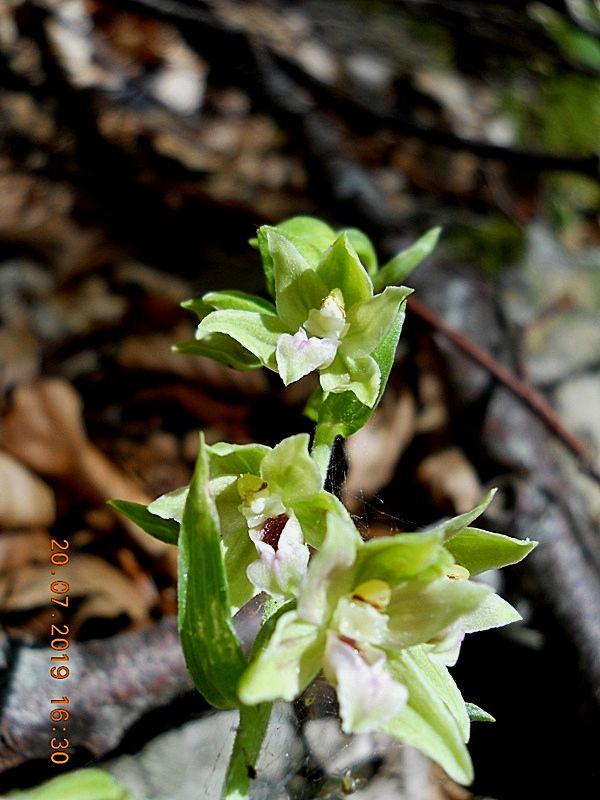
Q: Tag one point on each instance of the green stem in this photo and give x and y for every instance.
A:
(322, 446)
(246, 748)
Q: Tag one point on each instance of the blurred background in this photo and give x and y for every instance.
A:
(142, 142)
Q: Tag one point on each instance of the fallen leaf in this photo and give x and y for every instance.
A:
(25, 501)
(374, 450)
(450, 480)
(104, 591)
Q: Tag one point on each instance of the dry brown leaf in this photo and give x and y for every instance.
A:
(374, 450)
(105, 591)
(25, 500)
(450, 480)
(433, 411)
(18, 548)
(44, 429)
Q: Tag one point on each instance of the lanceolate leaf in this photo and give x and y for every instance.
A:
(212, 651)
(400, 266)
(167, 530)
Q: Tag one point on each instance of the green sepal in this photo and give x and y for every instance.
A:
(477, 714)
(167, 530)
(478, 550)
(91, 784)
(290, 471)
(235, 459)
(254, 331)
(421, 609)
(340, 268)
(493, 612)
(220, 348)
(397, 558)
(310, 236)
(364, 249)
(401, 265)
(298, 288)
(451, 527)
(212, 651)
(426, 721)
(371, 320)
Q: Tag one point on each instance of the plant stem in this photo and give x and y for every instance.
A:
(322, 446)
(246, 748)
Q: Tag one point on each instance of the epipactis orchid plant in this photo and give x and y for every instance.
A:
(383, 619)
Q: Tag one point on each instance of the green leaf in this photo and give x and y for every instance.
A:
(212, 651)
(371, 321)
(493, 612)
(477, 714)
(220, 348)
(399, 557)
(401, 265)
(91, 784)
(167, 530)
(286, 665)
(478, 550)
(455, 525)
(340, 268)
(298, 288)
(257, 332)
(240, 301)
(419, 610)
(364, 249)
(360, 376)
(426, 721)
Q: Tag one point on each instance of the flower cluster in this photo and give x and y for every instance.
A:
(381, 619)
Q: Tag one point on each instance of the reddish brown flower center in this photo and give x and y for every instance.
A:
(271, 530)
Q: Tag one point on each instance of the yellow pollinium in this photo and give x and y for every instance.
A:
(458, 573)
(376, 593)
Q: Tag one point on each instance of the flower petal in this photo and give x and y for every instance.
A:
(368, 695)
(255, 331)
(298, 355)
(331, 571)
(370, 321)
(286, 665)
(340, 268)
(290, 471)
(298, 288)
(281, 569)
(358, 375)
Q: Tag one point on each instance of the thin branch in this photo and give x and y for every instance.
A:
(529, 395)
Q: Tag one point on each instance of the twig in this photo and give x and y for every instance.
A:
(533, 399)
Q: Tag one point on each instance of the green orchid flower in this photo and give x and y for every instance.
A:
(371, 616)
(326, 317)
(271, 508)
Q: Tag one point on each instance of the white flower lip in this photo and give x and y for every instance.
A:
(367, 693)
